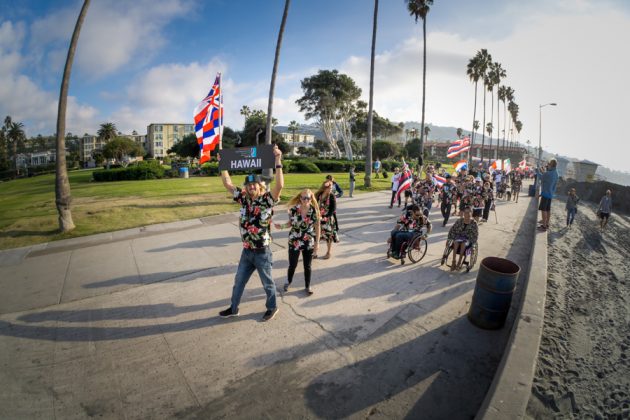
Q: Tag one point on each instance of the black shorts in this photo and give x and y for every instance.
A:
(477, 212)
(408, 193)
(545, 204)
(603, 215)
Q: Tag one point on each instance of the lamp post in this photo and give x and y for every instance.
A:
(540, 139)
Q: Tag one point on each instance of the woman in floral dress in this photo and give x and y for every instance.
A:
(328, 210)
(304, 235)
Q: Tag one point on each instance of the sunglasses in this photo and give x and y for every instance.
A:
(305, 197)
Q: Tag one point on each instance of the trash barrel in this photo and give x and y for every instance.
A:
(496, 280)
(183, 172)
(532, 190)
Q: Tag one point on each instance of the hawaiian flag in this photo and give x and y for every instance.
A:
(522, 163)
(209, 120)
(458, 146)
(462, 164)
(439, 180)
(507, 166)
(404, 182)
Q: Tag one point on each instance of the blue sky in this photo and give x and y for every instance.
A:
(148, 61)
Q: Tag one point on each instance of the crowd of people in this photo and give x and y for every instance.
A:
(312, 217)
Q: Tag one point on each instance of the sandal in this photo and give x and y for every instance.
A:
(325, 257)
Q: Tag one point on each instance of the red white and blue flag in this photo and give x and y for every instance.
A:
(522, 164)
(459, 165)
(209, 120)
(439, 180)
(458, 146)
(405, 180)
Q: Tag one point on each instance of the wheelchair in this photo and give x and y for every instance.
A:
(414, 249)
(470, 254)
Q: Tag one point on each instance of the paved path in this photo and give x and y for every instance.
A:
(125, 325)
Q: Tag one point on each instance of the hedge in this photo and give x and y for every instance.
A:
(142, 170)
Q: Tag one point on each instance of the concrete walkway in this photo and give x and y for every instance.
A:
(125, 325)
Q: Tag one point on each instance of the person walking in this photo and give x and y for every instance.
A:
(328, 211)
(446, 198)
(304, 221)
(549, 179)
(352, 180)
(604, 209)
(377, 167)
(395, 182)
(571, 206)
(336, 188)
(255, 219)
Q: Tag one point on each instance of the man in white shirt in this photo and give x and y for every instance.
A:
(395, 182)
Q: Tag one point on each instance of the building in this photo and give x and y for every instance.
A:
(307, 139)
(26, 160)
(88, 145)
(582, 171)
(139, 139)
(162, 136)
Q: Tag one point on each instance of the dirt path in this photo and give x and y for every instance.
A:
(583, 368)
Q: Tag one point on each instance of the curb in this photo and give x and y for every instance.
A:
(510, 390)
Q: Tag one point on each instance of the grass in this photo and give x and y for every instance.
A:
(28, 215)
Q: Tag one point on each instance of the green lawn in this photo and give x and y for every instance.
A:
(28, 215)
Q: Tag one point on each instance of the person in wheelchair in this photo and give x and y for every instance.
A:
(409, 223)
(464, 234)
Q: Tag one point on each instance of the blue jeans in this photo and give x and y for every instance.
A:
(398, 237)
(571, 215)
(262, 261)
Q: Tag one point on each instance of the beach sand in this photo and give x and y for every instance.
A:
(583, 362)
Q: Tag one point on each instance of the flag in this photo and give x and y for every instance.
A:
(497, 165)
(522, 163)
(208, 117)
(462, 164)
(404, 182)
(458, 146)
(439, 180)
(507, 166)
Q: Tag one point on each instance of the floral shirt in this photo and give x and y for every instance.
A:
(408, 223)
(302, 234)
(255, 219)
(460, 228)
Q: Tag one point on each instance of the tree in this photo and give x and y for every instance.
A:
(459, 133)
(332, 99)
(484, 62)
(321, 146)
(293, 128)
(419, 10)
(412, 148)
(508, 96)
(497, 74)
(427, 130)
(255, 125)
(385, 149)
(120, 147)
(474, 73)
(15, 137)
(489, 130)
(186, 147)
(367, 179)
(272, 86)
(107, 131)
(63, 195)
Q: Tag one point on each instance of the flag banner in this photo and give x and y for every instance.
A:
(453, 153)
(507, 166)
(404, 183)
(461, 164)
(497, 165)
(208, 116)
(439, 180)
(522, 163)
(247, 158)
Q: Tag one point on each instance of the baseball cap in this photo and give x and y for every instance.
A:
(252, 178)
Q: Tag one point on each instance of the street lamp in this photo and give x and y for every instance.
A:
(540, 130)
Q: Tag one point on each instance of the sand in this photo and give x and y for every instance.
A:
(583, 362)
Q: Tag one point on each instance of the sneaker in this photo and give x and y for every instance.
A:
(270, 314)
(309, 291)
(229, 313)
(286, 287)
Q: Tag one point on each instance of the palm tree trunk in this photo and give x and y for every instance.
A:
(498, 120)
(367, 180)
(472, 132)
(483, 127)
(491, 123)
(63, 197)
(424, 87)
(504, 123)
(272, 87)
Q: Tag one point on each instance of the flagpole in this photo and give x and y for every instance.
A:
(221, 111)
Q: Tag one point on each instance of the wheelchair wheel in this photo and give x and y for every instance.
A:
(417, 249)
(447, 251)
(473, 258)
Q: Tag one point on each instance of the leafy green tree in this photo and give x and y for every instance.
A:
(120, 147)
(107, 131)
(186, 147)
(412, 148)
(419, 10)
(332, 99)
(255, 124)
(385, 149)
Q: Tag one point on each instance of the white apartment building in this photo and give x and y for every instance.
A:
(162, 136)
(307, 139)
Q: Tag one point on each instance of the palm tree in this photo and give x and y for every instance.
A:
(498, 73)
(63, 195)
(367, 179)
(272, 86)
(489, 130)
(293, 128)
(473, 73)
(107, 131)
(490, 81)
(419, 10)
(506, 93)
(484, 62)
(427, 130)
(459, 133)
(14, 135)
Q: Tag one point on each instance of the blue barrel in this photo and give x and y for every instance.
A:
(496, 281)
(183, 172)
(532, 190)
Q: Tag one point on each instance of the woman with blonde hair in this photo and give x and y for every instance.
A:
(304, 221)
(328, 211)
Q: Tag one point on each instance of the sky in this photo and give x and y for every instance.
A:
(150, 61)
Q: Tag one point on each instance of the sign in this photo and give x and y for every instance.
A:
(247, 158)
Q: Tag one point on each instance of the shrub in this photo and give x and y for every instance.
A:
(143, 170)
(304, 166)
